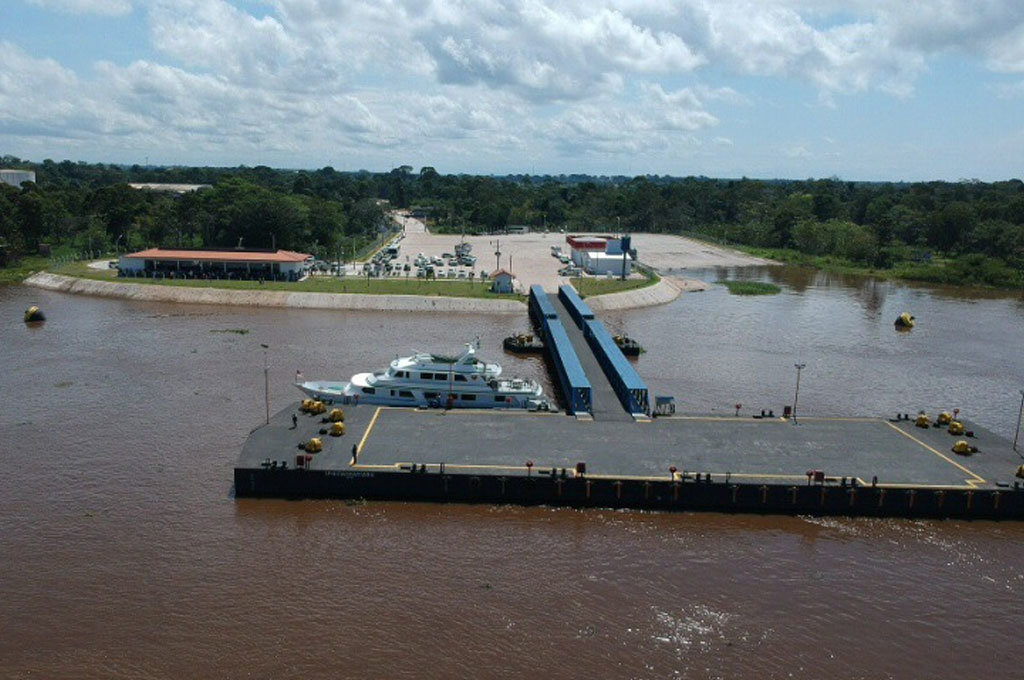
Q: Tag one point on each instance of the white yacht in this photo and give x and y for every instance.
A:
(435, 381)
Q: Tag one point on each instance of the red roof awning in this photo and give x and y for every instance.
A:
(219, 255)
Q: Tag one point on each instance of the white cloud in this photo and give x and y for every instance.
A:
(491, 77)
(105, 7)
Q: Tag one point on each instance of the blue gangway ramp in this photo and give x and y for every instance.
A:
(628, 386)
(540, 306)
(578, 309)
(572, 380)
(623, 378)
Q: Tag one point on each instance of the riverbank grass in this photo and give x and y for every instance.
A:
(750, 287)
(24, 267)
(588, 286)
(316, 284)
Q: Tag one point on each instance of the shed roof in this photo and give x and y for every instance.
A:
(220, 255)
(587, 242)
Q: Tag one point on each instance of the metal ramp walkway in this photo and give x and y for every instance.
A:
(604, 402)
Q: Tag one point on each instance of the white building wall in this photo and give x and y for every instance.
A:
(502, 284)
(600, 264)
(17, 177)
(127, 263)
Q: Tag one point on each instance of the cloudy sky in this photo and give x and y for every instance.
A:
(859, 89)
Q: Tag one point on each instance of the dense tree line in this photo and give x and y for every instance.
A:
(958, 231)
(90, 207)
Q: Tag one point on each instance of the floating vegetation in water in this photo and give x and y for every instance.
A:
(237, 331)
(64, 383)
(751, 287)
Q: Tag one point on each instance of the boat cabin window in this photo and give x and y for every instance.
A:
(468, 397)
(400, 374)
(369, 390)
(405, 394)
(499, 399)
(460, 378)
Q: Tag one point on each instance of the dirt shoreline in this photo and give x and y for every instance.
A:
(662, 292)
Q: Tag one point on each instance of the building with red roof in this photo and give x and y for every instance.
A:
(211, 263)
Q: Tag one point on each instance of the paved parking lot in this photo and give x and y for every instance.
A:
(528, 256)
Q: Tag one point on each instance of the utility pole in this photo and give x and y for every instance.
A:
(266, 380)
(497, 253)
(799, 367)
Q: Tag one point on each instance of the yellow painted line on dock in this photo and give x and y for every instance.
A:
(366, 435)
(970, 482)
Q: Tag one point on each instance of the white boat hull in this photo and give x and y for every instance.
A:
(429, 381)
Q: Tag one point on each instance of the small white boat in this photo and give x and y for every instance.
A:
(435, 381)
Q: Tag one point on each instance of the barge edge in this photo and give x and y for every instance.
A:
(421, 484)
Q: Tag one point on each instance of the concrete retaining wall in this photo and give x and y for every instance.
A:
(666, 290)
(271, 298)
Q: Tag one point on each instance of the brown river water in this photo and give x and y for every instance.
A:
(123, 553)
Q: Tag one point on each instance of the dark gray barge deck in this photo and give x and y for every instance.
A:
(872, 467)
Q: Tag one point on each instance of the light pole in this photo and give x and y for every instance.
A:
(497, 253)
(266, 380)
(1019, 412)
(796, 396)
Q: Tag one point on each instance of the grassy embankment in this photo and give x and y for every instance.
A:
(18, 271)
(597, 285)
(966, 270)
(319, 284)
(750, 287)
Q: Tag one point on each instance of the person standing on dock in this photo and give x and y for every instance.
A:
(295, 421)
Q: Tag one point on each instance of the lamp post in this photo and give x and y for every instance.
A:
(266, 380)
(1019, 412)
(796, 396)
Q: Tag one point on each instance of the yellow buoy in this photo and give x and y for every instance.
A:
(336, 415)
(314, 445)
(33, 313)
(337, 429)
(962, 447)
(1020, 471)
(944, 418)
(956, 427)
(307, 405)
(922, 420)
(904, 321)
(318, 407)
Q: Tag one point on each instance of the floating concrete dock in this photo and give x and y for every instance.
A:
(611, 454)
(844, 466)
